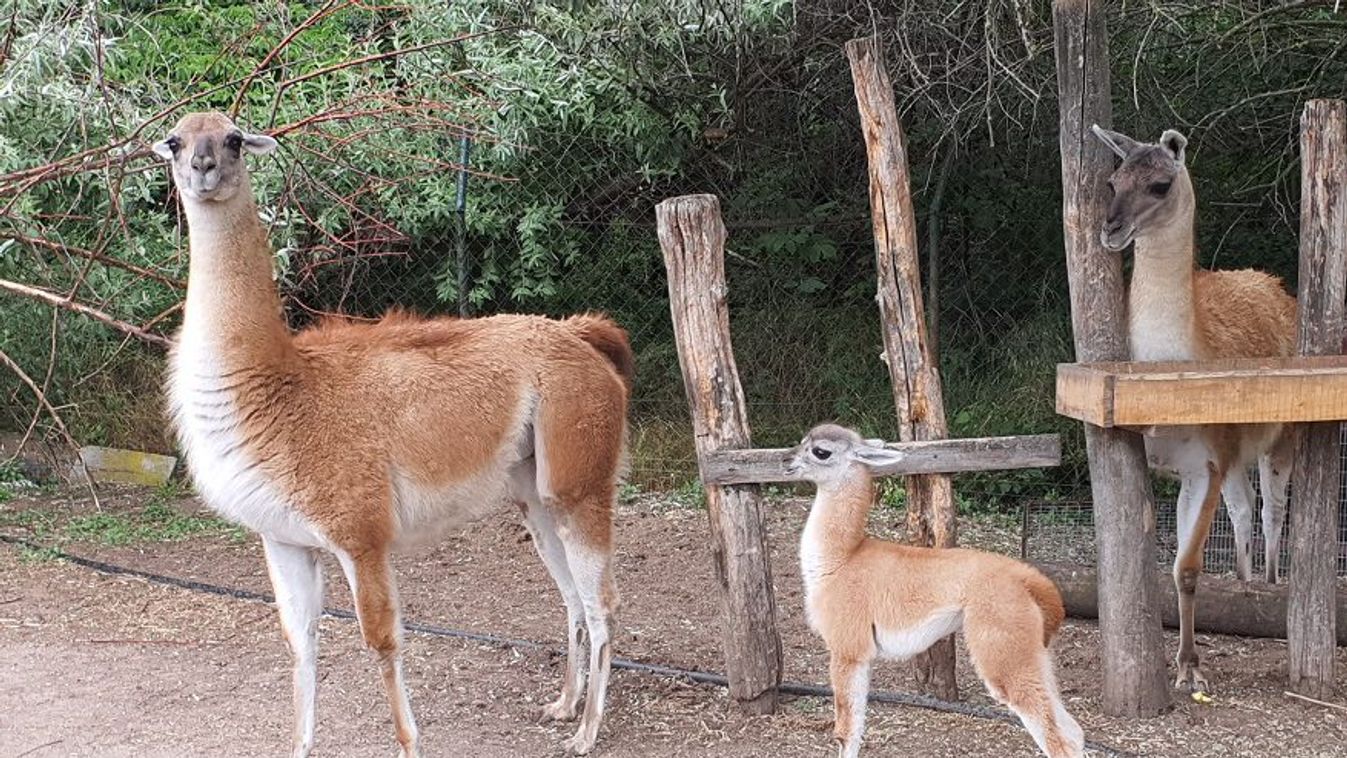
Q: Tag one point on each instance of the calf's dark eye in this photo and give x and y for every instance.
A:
(821, 454)
(174, 143)
(234, 142)
(1159, 189)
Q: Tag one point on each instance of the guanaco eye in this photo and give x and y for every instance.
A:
(821, 454)
(1159, 189)
(234, 141)
(173, 143)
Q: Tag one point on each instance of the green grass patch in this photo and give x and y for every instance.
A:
(157, 521)
(160, 519)
(690, 494)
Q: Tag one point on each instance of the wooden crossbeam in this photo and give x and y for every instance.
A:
(929, 457)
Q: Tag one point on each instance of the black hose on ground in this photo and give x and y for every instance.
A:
(700, 677)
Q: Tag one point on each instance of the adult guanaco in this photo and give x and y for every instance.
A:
(358, 439)
(872, 599)
(1177, 312)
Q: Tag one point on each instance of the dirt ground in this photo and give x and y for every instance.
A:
(92, 664)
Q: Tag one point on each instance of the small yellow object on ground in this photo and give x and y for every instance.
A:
(1202, 697)
(108, 464)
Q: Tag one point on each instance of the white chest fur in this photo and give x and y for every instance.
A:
(1160, 331)
(1161, 324)
(813, 564)
(209, 430)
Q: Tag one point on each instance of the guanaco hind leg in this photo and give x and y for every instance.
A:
(1007, 651)
(1239, 497)
(542, 526)
(1274, 472)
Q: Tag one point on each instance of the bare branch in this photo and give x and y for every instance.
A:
(60, 301)
(56, 419)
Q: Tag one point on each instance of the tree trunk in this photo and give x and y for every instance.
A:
(1311, 623)
(1134, 661)
(912, 366)
(693, 238)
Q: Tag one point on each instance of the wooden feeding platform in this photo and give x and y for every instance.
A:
(1240, 391)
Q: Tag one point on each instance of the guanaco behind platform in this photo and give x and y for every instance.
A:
(872, 599)
(1177, 312)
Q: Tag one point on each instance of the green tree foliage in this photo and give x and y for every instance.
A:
(582, 116)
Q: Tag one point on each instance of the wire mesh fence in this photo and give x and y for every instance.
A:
(408, 178)
(1063, 531)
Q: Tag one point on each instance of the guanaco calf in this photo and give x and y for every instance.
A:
(873, 599)
(1177, 312)
(357, 439)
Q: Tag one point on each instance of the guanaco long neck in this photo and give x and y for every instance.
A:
(1161, 315)
(836, 525)
(233, 307)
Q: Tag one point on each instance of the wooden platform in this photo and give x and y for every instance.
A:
(1212, 392)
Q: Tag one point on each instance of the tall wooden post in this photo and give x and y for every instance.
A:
(1124, 516)
(693, 238)
(912, 367)
(1311, 622)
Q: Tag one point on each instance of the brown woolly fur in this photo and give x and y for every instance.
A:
(362, 438)
(608, 338)
(1178, 313)
(872, 599)
(1049, 601)
(1243, 314)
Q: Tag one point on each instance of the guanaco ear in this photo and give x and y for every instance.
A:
(1173, 143)
(876, 455)
(162, 150)
(1119, 143)
(258, 144)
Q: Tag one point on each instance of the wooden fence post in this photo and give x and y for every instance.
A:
(912, 367)
(1311, 621)
(693, 238)
(1129, 619)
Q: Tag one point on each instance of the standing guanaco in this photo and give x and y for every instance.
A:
(872, 599)
(357, 439)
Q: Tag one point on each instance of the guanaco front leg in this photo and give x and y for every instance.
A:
(371, 580)
(1198, 497)
(297, 578)
(1274, 472)
(851, 686)
(1238, 494)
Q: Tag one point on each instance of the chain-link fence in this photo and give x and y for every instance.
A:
(1062, 532)
(575, 125)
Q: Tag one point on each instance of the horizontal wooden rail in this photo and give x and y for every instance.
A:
(929, 457)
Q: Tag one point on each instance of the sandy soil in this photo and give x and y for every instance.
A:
(102, 665)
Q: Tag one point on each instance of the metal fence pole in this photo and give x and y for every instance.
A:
(461, 235)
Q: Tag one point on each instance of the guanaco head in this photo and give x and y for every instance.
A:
(206, 151)
(1151, 189)
(830, 453)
